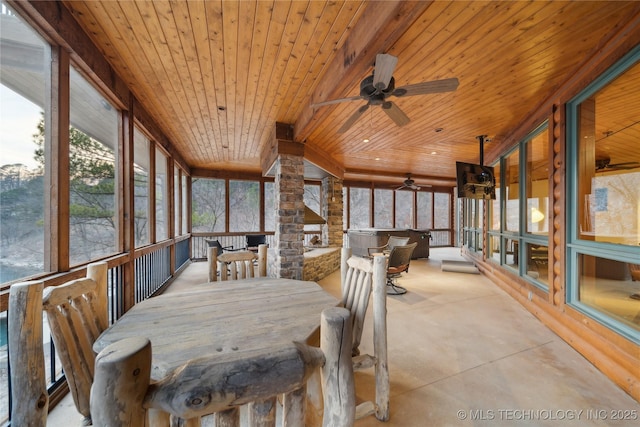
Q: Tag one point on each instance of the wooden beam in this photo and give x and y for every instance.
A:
(381, 25)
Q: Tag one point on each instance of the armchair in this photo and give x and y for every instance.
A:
(399, 260)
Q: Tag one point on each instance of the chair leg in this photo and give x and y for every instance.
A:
(393, 288)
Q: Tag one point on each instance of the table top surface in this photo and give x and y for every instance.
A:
(227, 321)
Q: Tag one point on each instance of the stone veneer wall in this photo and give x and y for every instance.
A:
(332, 211)
(319, 263)
(289, 188)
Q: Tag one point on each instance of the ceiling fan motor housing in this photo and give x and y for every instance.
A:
(375, 96)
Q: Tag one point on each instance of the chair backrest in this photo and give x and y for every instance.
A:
(215, 244)
(396, 241)
(400, 257)
(77, 315)
(29, 397)
(360, 277)
(122, 381)
(356, 285)
(236, 265)
(255, 240)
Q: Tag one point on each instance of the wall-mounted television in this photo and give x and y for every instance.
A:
(475, 181)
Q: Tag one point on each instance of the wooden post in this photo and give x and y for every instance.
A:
(262, 413)
(30, 400)
(345, 254)
(228, 418)
(380, 337)
(337, 372)
(262, 260)
(97, 271)
(212, 261)
(122, 375)
(293, 408)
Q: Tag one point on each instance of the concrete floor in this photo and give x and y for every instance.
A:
(464, 353)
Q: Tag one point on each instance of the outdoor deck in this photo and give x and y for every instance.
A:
(462, 352)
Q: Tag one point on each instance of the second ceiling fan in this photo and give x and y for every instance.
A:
(379, 86)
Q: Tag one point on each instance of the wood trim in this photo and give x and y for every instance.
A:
(382, 23)
(323, 161)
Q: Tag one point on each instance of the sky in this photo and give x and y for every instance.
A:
(18, 123)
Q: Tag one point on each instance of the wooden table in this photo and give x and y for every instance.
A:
(212, 345)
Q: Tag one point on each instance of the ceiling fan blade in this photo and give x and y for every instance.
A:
(354, 117)
(396, 114)
(385, 65)
(337, 101)
(435, 86)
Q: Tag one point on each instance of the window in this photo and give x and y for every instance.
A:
(404, 209)
(22, 155)
(141, 147)
(244, 206)
(269, 206)
(383, 208)
(208, 205)
(359, 208)
(184, 206)
(511, 169)
(162, 197)
(604, 198)
(312, 200)
(93, 143)
(442, 210)
(425, 210)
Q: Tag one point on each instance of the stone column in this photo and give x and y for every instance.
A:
(289, 192)
(332, 211)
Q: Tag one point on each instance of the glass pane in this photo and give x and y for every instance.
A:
(442, 210)
(184, 205)
(538, 262)
(207, 205)
(162, 197)
(359, 201)
(244, 206)
(176, 200)
(494, 248)
(141, 187)
(607, 285)
(93, 142)
(538, 183)
(383, 208)
(512, 255)
(312, 200)
(269, 207)
(404, 209)
(22, 156)
(495, 204)
(425, 211)
(511, 191)
(609, 163)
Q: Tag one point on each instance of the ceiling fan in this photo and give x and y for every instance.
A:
(605, 164)
(408, 183)
(379, 86)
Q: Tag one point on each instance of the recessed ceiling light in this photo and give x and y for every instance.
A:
(377, 158)
(365, 140)
(434, 152)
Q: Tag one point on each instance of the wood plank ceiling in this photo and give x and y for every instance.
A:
(217, 76)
